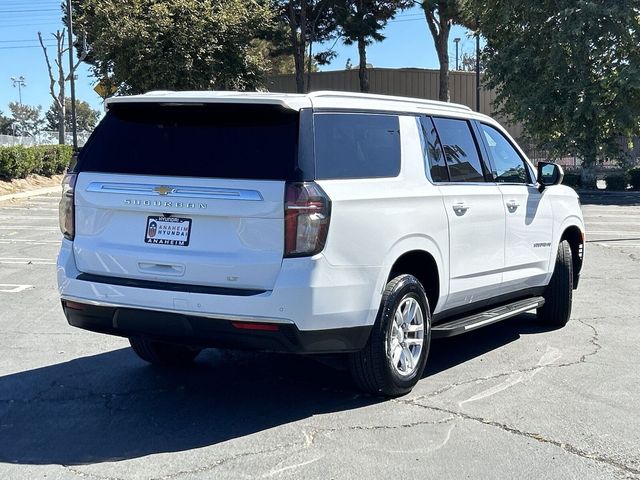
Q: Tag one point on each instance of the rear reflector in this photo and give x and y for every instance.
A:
(265, 327)
(74, 305)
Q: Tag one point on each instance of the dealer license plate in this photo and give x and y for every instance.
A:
(168, 231)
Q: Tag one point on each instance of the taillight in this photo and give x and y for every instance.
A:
(307, 211)
(66, 209)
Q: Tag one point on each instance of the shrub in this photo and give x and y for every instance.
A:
(19, 161)
(590, 183)
(616, 181)
(634, 177)
(571, 180)
(55, 158)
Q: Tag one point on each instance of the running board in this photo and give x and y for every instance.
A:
(482, 319)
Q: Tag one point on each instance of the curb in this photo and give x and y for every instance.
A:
(31, 193)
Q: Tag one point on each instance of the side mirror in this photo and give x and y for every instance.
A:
(549, 174)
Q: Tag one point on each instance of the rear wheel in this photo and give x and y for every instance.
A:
(558, 294)
(160, 353)
(394, 358)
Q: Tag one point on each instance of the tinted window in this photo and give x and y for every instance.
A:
(357, 145)
(460, 150)
(433, 154)
(224, 141)
(509, 165)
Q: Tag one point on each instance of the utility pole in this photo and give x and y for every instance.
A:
(72, 75)
(457, 42)
(478, 65)
(19, 82)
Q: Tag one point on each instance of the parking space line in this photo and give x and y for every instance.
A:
(27, 261)
(13, 288)
(8, 241)
(27, 227)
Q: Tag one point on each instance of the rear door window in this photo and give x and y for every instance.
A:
(460, 149)
(210, 140)
(356, 145)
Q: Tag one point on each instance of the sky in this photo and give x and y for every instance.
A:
(408, 44)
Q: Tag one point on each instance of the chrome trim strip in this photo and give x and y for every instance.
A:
(176, 191)
(217, 316)
(503, 316)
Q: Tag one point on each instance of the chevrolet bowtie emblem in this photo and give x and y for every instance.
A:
(163, 190)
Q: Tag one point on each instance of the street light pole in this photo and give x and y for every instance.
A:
(478, 66)
(72, 74)
(457, 42)
(19, 82)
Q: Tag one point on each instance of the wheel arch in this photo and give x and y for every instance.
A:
(575, 236)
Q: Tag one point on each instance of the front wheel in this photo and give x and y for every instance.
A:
(558, 294)
(394, 358)
(165, 354)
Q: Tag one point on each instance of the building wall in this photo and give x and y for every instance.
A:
(405, 82)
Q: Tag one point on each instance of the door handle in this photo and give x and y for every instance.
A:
(512, 205)
(460, 208)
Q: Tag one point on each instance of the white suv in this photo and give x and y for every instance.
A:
(321, 223)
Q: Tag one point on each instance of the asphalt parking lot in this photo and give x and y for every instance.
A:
(514, 400)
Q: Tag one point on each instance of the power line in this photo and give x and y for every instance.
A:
(31, 24)
(28, 46)
(31, 10)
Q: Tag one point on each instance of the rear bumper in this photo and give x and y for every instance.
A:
(210, 332)
(311, 298)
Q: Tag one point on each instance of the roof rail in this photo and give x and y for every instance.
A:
(370, 96)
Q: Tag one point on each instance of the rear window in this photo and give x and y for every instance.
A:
(211, 140)
(356, 146)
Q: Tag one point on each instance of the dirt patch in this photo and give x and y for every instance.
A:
(32, 182)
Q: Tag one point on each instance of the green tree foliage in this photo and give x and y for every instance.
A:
(5, 124)
(278, 59)
(361, 23)
(26, 120)
(441, 15)
(569, 70)
(86, 117)
(142, 45)
(303, 23)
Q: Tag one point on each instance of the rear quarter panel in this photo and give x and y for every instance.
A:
(376, 220)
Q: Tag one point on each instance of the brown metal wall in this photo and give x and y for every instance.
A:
(405, 82)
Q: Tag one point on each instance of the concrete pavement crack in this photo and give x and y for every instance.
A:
(80, 473)
(222, 461)
(311, 435)
(532, 435)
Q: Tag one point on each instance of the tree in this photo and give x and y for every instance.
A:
(441, 15)
(307, 22)
(86, 117)
(145, 45)
(361, 22)
(568, 70)
(278, 59)
(26, 120)
(5, 125)
(60, 78)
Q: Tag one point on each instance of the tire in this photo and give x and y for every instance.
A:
(559, 293)
(377, 368)
(165, 354)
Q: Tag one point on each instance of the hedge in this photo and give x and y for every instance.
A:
(616, 181)
(19, 161)
(634, 177)
(571, 180)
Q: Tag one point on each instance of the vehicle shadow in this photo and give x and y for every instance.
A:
(446, 353)
(112, 406)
